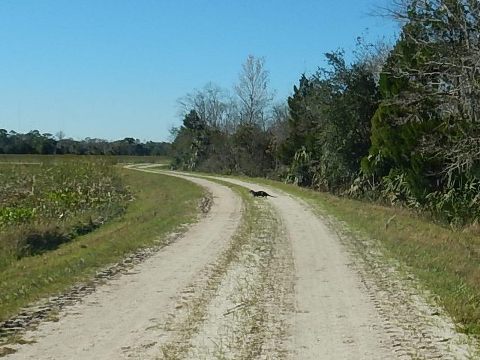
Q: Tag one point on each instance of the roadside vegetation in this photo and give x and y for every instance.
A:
(390, 140)
(136, 210)
(398, 125)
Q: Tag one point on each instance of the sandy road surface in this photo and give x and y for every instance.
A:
(247, 305)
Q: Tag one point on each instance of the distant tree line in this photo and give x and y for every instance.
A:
(399, 124)
(34, 142)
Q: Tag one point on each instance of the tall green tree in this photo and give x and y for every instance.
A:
(330, 124)
(426, 133)
(190, 142)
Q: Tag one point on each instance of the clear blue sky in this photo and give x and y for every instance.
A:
(115, 68)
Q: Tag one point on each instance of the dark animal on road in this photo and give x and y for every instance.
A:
(260, 193)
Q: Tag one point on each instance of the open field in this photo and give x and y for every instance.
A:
(160, 205)
(49, 159)
(49, 200)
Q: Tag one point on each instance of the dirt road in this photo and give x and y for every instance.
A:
(255, 279)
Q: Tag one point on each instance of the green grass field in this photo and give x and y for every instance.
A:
(159, 205)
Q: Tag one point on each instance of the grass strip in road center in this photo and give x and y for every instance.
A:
(253, 247)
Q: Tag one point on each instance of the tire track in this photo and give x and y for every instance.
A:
(249, 316)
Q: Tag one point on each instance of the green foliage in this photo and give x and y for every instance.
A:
(302, 170)
(303, 111)
(252, 150)
(394, 149)
(425, 133)
(231, 135)
(401, 128)
(330, 121)
(190, 142)
(202, 147)
(10, 215)
(457, 204)
(397, 190)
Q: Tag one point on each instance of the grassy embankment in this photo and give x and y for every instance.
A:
(446, 261)
(160, 205)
